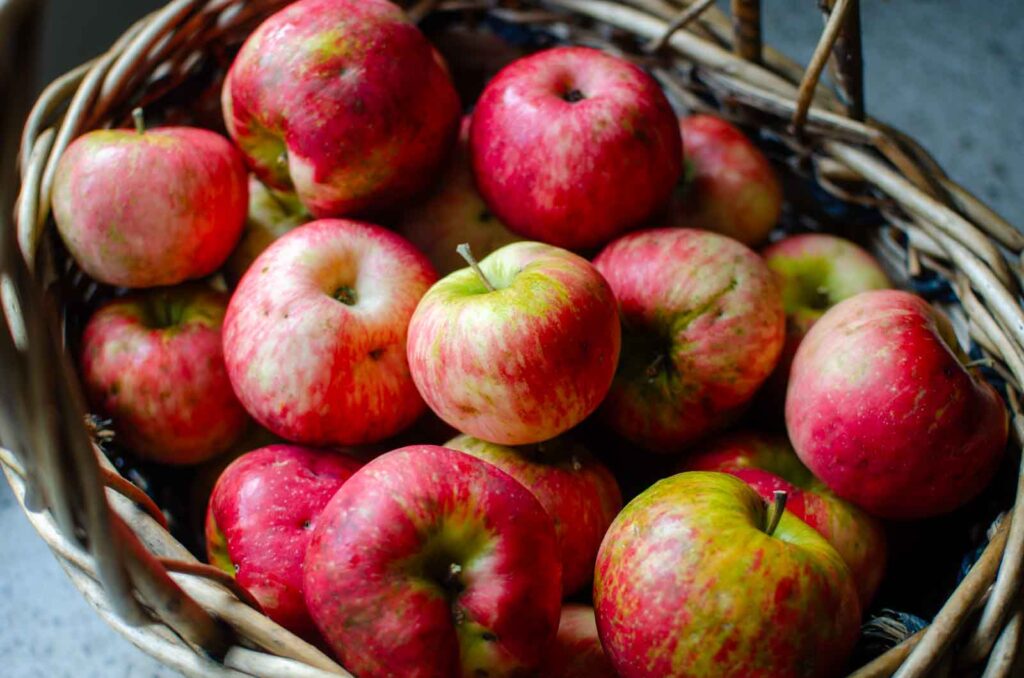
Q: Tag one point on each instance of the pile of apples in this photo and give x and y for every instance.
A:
(615, 284)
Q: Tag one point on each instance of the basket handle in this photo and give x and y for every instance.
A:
(840, 44)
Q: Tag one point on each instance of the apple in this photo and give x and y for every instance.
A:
(577, 491)
(431, 563)
(768, 463)
(702, 328)
(261, 514)
(518, 348)
(343, 101)
(577, 651)
(697, 578)
(573, 146)
(271, 215)
(153, 363)
(454, 213)
(146, 208)
(883, 408)
(730, 186)
(314, 337)
(815, 271)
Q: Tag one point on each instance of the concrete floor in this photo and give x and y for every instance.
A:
(950, 71)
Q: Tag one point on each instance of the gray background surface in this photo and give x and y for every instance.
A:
(949, 71)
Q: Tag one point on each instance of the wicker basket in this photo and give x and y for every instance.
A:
(112, 540)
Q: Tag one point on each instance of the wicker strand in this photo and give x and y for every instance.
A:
(822, 53)
(691, 13)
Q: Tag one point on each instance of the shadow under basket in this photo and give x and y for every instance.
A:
(842, 173)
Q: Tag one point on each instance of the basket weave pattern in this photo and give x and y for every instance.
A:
(112, 540)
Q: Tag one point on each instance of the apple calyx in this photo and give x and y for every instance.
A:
(775, 511)
(466, 253)
(346, 295)
(140, 120)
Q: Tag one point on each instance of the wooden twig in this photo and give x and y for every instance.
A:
(848, 60)
(682, 20)
(821, 56)
(746, 28)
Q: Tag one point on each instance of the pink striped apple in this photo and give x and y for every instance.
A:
(768, 463)
(577, 491)
(314, 337)
(731, 187)
(343, 101)
(702, 329)
(577, 651)
(882, 407)
(153, 363)
(261, 514)
(271, 215)
(697, 579)
(429, 563)
(146, 208)
(519, 348)
(572, 146)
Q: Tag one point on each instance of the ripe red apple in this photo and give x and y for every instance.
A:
(271, 215)
(768, 463)
(882, 408)
(730, 186)
(577, 651)
(261, 514)
(343, 101)
(150, 207)
(429, 562)
(702, 327)
(314, 336)
(693, 580)
(815, 271)
(153, 363)
(576, 490)
(573, 146)
(519, 349)
(453, 214)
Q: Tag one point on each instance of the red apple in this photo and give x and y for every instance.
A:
(577, 651)
(815, 271)
(429, 562)
(882, 408)
(344, 102)
(702, 327)
(573, 146)
(148, 208)
(768, 463)
(730, 186)
(576, 490)
(694, 580)
(261, 514)
(453, 214)
(153, 363)
(519, 350)
(271, 215)
(314, 336)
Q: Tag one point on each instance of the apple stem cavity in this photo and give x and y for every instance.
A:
(467, 254)
(140, 120)
(775, 511)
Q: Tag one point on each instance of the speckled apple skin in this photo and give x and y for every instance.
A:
(526, 362)
(731, 187)
(165, 388)
(881, 408)
(311, 368)
(261, 514)
(431, 563)
(577, 651)
(688, 584)
(702, 328)
(454, 213)
(150, 209)
(578, 492)
(574, 174)
(768, 463)
(343, 101)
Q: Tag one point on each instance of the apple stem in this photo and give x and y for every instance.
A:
(467, 254)
(140, 121)
(775, 511)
